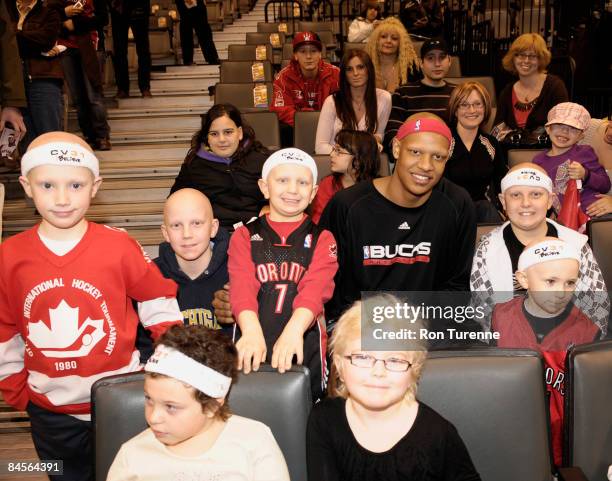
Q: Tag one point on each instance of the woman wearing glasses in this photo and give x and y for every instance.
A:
(372, 427)
(358, 105)
(477, 162)
(353, 158)
(524, 104)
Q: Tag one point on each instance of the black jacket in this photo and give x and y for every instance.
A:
(231, 188)
(195, 296)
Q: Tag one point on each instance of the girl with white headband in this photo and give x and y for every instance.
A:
(546, 319)
(526, 197)
(192, 433)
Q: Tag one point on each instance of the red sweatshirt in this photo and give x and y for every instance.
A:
(516, 332)
(292, 92)
(67, 321)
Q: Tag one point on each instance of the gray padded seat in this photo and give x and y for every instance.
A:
(518, 156)
(271, 27)
(261, 38)
(281, 401)
(485, 228)
(497, 401)
(240, 71)
(265, 125)
(241, 95)
(353, 45)
(487, 82)
(247, 52)
(600, 238)
(588, 409)
(304, 26)
(305, 130)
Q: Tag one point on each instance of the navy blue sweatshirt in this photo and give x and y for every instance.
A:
(195, 296)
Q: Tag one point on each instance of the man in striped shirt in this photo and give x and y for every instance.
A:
(430, 94)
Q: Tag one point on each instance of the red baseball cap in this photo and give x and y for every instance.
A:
(306, 38)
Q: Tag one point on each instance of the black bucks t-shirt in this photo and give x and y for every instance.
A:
(384, 247)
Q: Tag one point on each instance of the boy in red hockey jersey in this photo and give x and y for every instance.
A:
(66, 290)
(281, 269)
(546, 320)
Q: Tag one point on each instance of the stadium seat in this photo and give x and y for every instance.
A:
(354, 45)
(485, 228)
(315, 26)
(487, 82)
(248, 52)
(242, 71)
(265, 125)
(517, 156)
(281, 401)
(455, 67)
(497, 401)
(600, 238)
(305, 131)
(265, 27)
(242, 95)
(588, 417)
(261, 38)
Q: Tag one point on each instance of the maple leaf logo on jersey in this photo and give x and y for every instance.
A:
(66, 338)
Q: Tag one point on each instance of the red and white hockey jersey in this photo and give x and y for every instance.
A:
(67, 321)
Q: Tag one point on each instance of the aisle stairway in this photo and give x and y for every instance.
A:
(150, 139)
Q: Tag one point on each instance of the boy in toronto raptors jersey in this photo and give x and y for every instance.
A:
(546, 319)
(281, 269)
(66, 290)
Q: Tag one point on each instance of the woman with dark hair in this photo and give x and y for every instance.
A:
(224, 162)
(358, 105)
(354, 158)
(361, 28)
(477, 162)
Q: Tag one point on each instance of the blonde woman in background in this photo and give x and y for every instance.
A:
(393, 54)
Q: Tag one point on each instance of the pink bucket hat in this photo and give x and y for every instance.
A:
(569, 113)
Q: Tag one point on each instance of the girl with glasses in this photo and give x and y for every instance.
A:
(358, 105)
(477, 162)
(354, 158)
(372, 426)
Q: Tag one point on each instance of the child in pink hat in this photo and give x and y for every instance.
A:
(567, 160)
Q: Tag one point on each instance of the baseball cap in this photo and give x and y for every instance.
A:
(306, 38)
(433, 44)
(569, 113)
(289, 156)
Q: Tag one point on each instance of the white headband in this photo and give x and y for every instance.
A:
(547, 250)
(289, 156)
(528, 177)
(170, 362)
(59, 153)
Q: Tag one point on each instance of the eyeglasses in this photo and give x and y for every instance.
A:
(526, 56)
(336, 149)
(367, 362)
(467, 106)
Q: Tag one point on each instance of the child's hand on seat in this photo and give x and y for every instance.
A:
(576, 171)
(251, 346)
(289, 344)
